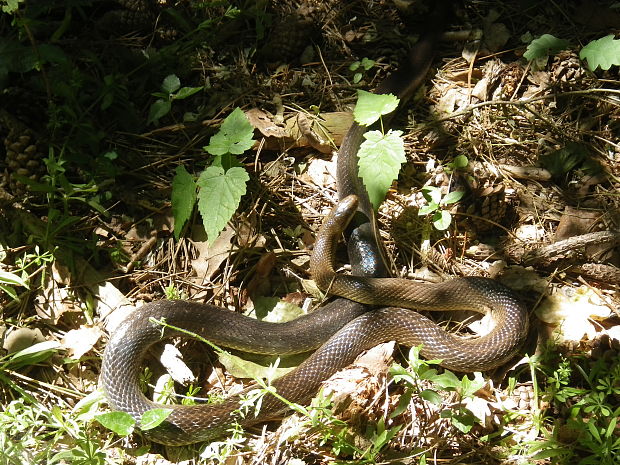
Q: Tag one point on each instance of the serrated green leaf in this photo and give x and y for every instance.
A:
(183, 198)
(544, 46)
(185, 92)
(158, 109)
(235, 135)
(370, 107)
(171, 83)
(380, 157)
(219, 196)
(442, 220)
(153, 418)
(120, 422)
(452, 197)
(603, 53)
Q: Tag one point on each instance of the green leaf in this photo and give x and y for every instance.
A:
(158, 109)
(442, 220)
(561, 161)
(170, 84)
(183, 198)
(459, 162)
(432, 396)
(367, 63)
(462, 419)
(120, 422)
(52, 54)
(432, 194)
(447, 380)
(470, 387)
(32, 355)
(604, 52)
(380, 157)
(370, 107)
(452, 197)
(428, 209)
(185, 92)
(153, 418)
(275, 310)
(11, 278)
(10, 291)
(219, 196)
(10, 6)
(258, 366)
(235, 135)
(544, 46)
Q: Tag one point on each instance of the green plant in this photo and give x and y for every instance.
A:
(601, 53)
(585, 392)
(358, 68)
(440, 217)
(24, 274)
(221, 185)
(381, 154)
(420, 371)
(171, 90)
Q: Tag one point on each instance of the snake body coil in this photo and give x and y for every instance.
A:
(188, 424)
(340, 329)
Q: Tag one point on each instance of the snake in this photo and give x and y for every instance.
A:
(372, 309)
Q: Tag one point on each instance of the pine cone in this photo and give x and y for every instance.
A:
(567, 73)
(23, 158)
(510, 78)
(288, 38)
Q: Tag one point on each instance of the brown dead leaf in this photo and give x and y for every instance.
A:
(354, 389)
(210, 258)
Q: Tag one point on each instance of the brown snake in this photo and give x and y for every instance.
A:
(347, 326)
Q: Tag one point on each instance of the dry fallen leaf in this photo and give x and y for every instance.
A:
(572, 311)
(22, 338)
(322, 172)
(172, 359)
(210, 258)
(79, 341)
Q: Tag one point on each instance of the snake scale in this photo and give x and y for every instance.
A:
(338, 331)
